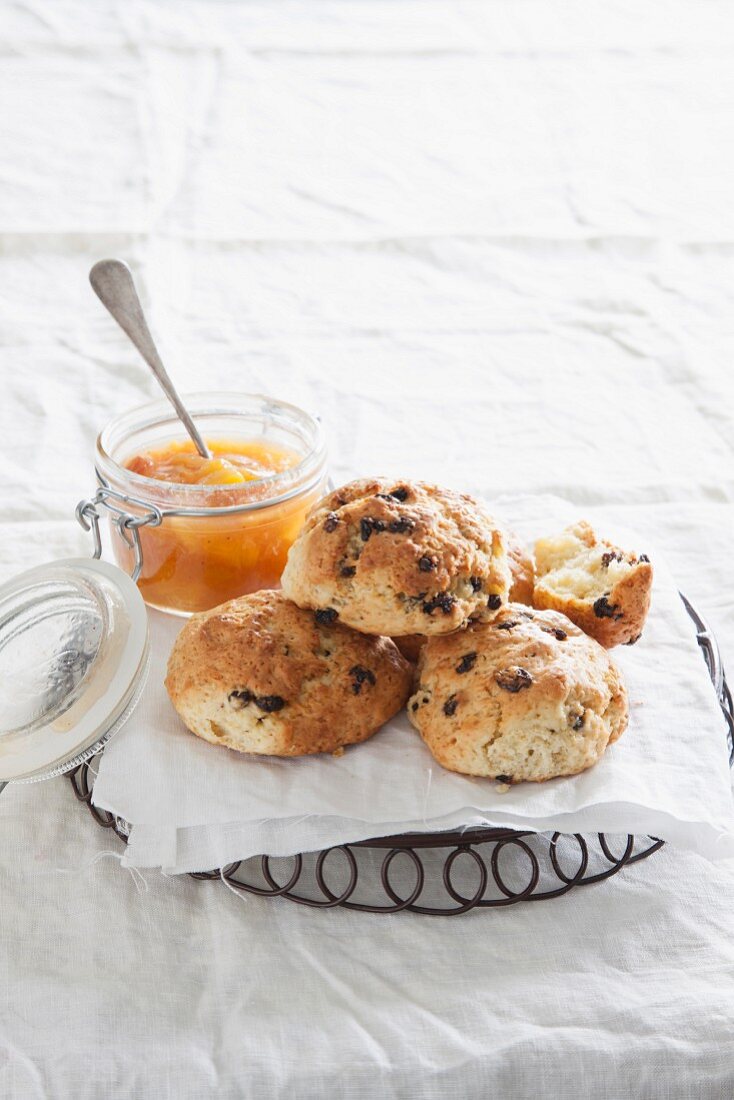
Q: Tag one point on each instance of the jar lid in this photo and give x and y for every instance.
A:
(73, 662)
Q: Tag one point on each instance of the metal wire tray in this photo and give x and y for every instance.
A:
(443, 874)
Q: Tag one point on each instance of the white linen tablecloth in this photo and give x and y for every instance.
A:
(493, 244)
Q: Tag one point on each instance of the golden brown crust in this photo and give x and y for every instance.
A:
(629, 601)
(526, 697)
(522, 570)
(260, 675)
(410, 645)
(612, 600)
(522, 575)
(399, 557)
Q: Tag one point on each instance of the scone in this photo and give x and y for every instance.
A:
(522, 580)
(603, 589)
(260, 675)
(528, 696)
(399, 557)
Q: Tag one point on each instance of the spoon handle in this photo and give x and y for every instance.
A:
(112, 282)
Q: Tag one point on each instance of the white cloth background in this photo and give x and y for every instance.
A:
(492, 243)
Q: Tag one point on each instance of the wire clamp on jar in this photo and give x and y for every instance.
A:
(127, 523)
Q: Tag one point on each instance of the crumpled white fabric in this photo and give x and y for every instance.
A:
(201, 805)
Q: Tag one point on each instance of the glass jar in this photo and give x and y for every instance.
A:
(191, 547)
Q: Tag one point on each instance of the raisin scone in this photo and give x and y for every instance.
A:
(528, 696)
(399, 557)
(260, 675)
(603, 589)
(522, 579)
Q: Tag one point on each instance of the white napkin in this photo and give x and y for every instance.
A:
(193, 806)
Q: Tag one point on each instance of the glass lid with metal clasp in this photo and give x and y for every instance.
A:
(73, 663)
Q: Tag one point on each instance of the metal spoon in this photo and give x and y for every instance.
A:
(112, 282)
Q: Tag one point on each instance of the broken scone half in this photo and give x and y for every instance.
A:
(603, 589)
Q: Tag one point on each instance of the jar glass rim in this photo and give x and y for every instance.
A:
(279, 485)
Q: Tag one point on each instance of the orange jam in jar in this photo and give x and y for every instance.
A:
(233, 462)
(210, 529)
